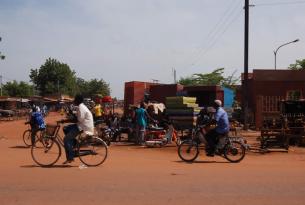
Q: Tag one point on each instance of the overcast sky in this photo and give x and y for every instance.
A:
(126, 40)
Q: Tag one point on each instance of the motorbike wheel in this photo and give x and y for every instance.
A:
(188, 151)
(234, 151)
(107, 139)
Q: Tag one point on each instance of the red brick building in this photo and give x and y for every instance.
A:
(267, 87)
(134, 92)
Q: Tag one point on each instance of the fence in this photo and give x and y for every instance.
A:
(267, 107)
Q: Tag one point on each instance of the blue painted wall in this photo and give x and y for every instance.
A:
(228, 97)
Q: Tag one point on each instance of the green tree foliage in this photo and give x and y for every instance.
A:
(93, 87)
(186, 81)
(214, 78)
(53, 77)
(15, 89)
(298, 65)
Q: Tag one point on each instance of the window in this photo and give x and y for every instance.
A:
(294, 94)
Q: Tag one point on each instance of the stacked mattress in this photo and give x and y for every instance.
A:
(182, 111)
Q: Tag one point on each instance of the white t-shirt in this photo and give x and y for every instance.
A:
(85, 119)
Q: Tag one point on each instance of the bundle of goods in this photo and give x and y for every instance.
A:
(182, 111)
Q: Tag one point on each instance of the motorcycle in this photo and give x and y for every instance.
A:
(158, 136)
(231, 148)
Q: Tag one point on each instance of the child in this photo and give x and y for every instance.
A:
(37, 123)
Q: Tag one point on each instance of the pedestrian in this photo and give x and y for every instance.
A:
(141, 123)
(98, 112)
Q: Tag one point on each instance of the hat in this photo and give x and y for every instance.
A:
(218, 102)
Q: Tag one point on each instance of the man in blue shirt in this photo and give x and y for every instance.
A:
(141, 122)
(222, 127)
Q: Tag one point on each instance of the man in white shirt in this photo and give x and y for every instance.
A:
(84, 123)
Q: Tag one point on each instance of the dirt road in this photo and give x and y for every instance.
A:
(136, 175)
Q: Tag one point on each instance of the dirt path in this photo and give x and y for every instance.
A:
(135, 175)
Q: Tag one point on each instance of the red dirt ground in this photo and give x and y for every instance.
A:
(136, 175)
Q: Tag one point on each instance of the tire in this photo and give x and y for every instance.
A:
(234, 151)
(108, 140)
(188, 151)
(27, 138)
(46, 151)
(93, 151)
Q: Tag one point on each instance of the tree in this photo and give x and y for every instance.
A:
(15, 89)
(214, 78)
(299, 65)
(186, 81)
(92, 87)
(54, 77)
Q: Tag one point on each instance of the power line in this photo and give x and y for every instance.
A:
(212, 44)
(216, 37)
(216, 32)
(281, 3)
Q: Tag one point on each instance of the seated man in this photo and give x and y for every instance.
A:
(84, 122)
(222, 127)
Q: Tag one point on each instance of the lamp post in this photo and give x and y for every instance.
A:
(275, 52)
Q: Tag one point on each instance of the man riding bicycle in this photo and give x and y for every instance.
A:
(83, 121)
(222, 127)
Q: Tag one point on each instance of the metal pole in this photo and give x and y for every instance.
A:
(246, 65)
(1, 85)
(275, 52)
(274, 60)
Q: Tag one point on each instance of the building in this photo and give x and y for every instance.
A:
(159, 92)
(205, 94)
(135, 92)
(267, 87)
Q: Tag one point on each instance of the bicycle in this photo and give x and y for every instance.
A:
(27, 135)
(231, 148)
(91, 150)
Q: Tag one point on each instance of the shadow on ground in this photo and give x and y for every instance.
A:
(47, 167)
(20, 147)
(202, 162)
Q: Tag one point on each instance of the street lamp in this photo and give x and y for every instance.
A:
(275, 52)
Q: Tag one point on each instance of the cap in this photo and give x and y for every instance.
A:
(218, 102)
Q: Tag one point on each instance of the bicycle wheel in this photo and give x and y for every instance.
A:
(27, 137)
(46, 151)
(93, 151)
(234, 151)
(188, 151)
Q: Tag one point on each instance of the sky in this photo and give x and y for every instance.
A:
(140, 40)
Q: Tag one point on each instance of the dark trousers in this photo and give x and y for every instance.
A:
(212, 139)
(71, 132)
(34, 131)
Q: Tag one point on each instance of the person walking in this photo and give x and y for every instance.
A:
(141, 123)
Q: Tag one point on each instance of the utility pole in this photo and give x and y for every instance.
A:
(1, 85)
(246, 66)
(2, 57)
(175, 75)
